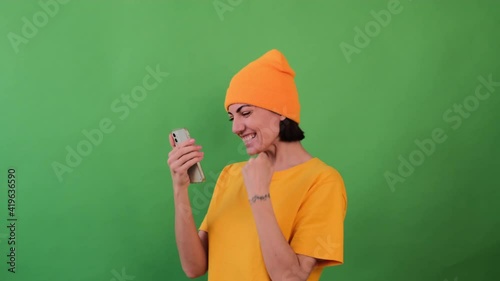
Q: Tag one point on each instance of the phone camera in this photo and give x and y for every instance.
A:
(173, 134)
(175, 140)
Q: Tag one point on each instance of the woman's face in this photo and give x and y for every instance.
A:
(257, 127)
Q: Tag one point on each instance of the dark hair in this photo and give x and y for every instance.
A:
(290, 131)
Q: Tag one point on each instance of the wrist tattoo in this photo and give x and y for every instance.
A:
(259, 197)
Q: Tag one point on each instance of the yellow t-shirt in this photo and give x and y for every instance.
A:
(309, 201)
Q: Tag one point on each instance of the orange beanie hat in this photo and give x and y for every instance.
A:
(267, 82)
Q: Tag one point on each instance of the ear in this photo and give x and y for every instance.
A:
(282, 118)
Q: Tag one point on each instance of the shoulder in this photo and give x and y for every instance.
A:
(233, 168)
(325, 172)
(327, 182)
(328, 189)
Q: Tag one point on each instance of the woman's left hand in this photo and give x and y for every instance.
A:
(258, 173)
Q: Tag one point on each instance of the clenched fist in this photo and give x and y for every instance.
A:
(257, 174)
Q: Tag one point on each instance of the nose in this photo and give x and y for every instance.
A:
(238, 126)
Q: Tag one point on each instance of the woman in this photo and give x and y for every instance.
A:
(279, 215)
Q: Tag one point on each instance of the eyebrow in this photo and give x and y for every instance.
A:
(239, 108)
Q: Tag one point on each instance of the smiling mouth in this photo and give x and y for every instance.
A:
(248, 138)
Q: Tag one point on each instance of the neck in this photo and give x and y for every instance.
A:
(289, 154)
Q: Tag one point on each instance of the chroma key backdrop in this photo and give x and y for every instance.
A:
(402, 97)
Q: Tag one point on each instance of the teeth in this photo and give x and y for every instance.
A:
(249, 137)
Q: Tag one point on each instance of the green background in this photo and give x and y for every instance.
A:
(114, 210)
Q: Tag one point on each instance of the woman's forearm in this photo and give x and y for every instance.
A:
(280, 259)
(191, 251)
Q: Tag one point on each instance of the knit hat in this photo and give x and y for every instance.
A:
(267, 82)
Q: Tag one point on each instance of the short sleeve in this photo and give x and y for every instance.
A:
(318, 229)
(213, 202)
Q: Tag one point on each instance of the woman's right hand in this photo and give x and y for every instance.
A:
(180, 159)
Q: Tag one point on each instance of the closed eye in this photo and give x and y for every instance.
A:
(245, 114)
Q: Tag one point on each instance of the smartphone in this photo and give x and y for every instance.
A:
(195, 172)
